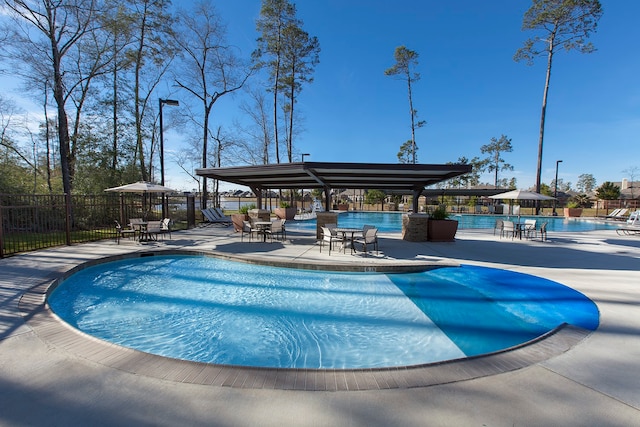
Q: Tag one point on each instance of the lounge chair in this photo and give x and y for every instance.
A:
(212, 217)
(634, 218)
(221, 214)
(620, 215)
(613, 213)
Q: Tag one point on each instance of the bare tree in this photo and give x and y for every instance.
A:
(211, 68)
(495, 162)
(59, 29)
(406, 61)
(275, 16)
(632, 171)
(152, 55)
(562, 25)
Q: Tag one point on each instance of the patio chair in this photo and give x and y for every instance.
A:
(529, 229)
(328, 237)
(166, 227)
(543, 231)
(370, 239)
(151, 232)
(276, 228)
(498, 226)
(508, 228)
(124, 232)
(247, 229)
(137, 225)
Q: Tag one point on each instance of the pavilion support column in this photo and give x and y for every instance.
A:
(258, 194)
(416, 200)
(327, 198)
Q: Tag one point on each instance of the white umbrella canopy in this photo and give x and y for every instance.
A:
(521, 195)
(141, 187)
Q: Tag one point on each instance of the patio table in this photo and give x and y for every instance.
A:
(263, 226)
(344, 231)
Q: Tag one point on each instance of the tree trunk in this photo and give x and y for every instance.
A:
(542, 118)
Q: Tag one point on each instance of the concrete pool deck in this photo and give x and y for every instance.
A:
(595, 382)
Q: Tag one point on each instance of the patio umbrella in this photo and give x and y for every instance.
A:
(140, 187)
(520, 195)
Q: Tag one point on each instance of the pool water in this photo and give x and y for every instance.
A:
(216, 311)
(391, 222)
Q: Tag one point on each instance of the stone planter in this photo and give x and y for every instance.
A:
(343, 207)
(572, 212)
(238, 220)
(441, 230)
(285, 213)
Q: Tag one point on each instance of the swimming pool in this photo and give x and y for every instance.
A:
(391, 222)
(216, 311)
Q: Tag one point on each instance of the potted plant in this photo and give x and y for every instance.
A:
(439, 227)
(343, 205)
(575, 205)
(285, 211)
(242, 215)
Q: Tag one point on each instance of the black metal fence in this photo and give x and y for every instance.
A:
(30, 222)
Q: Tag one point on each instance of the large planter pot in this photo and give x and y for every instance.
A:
(574, 212)
(441, 230)
(238, 220)
(286, 213)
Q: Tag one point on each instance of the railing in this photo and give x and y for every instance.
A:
(30, 222)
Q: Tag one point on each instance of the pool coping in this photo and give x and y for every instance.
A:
(53, 330)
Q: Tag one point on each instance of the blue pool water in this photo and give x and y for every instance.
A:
(392, 222)
(216, 311)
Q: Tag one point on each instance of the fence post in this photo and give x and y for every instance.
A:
(191, 211)
(1, 232)
(67, 199)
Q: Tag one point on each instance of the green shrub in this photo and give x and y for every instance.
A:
(440, 213)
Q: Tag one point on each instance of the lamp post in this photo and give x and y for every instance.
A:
(303, 154)
(161, 102)
(555, 189)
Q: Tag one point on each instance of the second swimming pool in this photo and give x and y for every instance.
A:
(210, 310)
(391, 222)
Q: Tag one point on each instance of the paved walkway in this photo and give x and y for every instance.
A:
(595, 382)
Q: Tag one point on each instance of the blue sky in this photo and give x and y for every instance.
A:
(471, 89)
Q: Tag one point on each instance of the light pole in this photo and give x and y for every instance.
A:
(303, 154)
(555, 189)
(161, 102)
